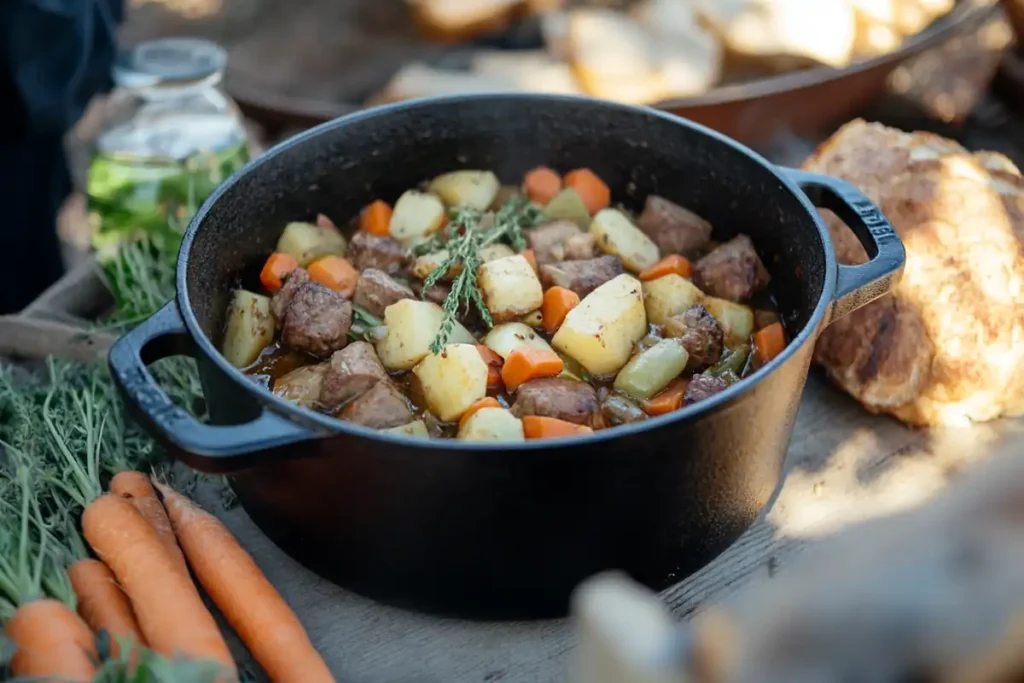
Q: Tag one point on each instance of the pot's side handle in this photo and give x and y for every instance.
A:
(857, 285)
(209, 448)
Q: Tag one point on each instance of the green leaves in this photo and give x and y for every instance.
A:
(466, 234)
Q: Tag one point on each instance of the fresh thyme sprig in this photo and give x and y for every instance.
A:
(463, 238)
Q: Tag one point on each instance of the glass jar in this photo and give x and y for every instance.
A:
(170, 137)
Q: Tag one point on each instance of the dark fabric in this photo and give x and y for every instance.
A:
(55, 55)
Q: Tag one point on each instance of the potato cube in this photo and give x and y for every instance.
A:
(416, 428)
(668, 296)
(615, 234)
(505, 338)
(472, 189)
(426, 264)
(533, 319)
(452, 380)
(249, 329)
(736, 320)
(416, 215)
(600, 332)
(308, 242)
(510, 287)
(412, 326)
(492, 424)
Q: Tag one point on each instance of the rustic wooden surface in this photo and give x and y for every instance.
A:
(844, 465)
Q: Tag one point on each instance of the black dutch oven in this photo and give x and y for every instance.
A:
(503, 530)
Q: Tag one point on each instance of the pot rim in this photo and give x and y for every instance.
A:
(332, 426)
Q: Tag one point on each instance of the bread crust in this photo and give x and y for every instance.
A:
(947, 346)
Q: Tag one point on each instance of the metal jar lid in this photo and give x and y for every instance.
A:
(169, 61)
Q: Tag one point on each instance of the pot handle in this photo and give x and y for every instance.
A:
(856, 286)
(209, 448)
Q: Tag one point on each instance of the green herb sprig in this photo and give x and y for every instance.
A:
(466, 234)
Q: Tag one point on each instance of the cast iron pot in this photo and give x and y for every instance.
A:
(501, 530)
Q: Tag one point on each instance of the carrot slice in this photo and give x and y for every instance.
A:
(769, 342)
(540, 427)
(486, 402)
(668, 399)
(102, 604)
(335, 273)
(376, 219)
(52, 643)
(531, 258)
(494, 363)
(558, 301)
(591, 189)
(136, 489)
(250, 603)
(275, 269)
(526, 363)
(172, 616)
(671, 264)
(542, 184)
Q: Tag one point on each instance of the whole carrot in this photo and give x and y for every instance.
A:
(252, 606)
(170, 612)
(135, 488)
(102, 604)
(52, 642)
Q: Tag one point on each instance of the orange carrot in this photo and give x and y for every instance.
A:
(526, 363)
(250, 603)
(540, 427)
(591, 189)
(769, 342)
(136, 489)
(542, 184)
(376, 219)
(668, 399)
(486, 402)
(531, 258)
(326, 223)
(671, 264)
(102, 604)
(558, 301)
(274, 270)
(494, 363)
(53, 643)
(170, 612)
(335, 273)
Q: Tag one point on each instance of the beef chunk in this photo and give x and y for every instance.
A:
(383, 253)
(377, 290)
(438, 293)
(559, 397)
(619, 410)
(283, 297)
(674, 229)
(317, 320)
(382, 407)
(302, 385)
(699, 333)
(702, 387)
(582, 277)
(579, 247)
(733, 271)
(548, 240)
(351, 373)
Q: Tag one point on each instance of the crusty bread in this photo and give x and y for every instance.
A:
(823, 31)
(947, 347)
(634, 59)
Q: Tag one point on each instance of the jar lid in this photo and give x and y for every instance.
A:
(169, 60)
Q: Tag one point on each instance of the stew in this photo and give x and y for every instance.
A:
(477, 311)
